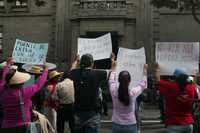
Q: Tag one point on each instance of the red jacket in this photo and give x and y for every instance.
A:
(177, 112)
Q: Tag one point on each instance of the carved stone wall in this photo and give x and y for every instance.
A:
(129, 19)
(102, 8)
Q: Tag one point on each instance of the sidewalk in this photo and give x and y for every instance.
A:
(149, 112)
(150, 120)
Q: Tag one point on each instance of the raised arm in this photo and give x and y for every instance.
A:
(76, 63)
(31, 90)
(113, 81)
(112, 77)
(136, 91)
(157, 73)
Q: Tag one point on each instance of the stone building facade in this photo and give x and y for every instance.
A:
(126, 20)
(132, 24)
(61, 22)
(28, 22)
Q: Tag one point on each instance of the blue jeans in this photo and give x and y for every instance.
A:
(87, 122)
(180, 129)
(116, 128)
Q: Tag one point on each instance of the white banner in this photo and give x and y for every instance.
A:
(132, 61)
(30, 53)
(172, 55)
(99, 48)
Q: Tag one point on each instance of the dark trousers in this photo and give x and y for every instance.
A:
(87, 122)
(161, 108)
(105, 107)
(65, 113)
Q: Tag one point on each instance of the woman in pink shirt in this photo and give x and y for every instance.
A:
(11, 84)
(124, 99)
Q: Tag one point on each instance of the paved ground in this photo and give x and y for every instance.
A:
(150, 128)
(150, 121)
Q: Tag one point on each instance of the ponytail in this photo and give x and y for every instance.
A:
(123, 91)
(182, 81)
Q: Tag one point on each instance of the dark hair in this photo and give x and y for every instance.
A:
(86, 61)
(182, 81)
(9, 75)
(64, 76)
(123, 91)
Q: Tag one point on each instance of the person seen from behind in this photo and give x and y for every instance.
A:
(11, 89)
(124, 99)
(86, 83)
(179, 97)
(51, 104)
(65, 96)
(38, 98)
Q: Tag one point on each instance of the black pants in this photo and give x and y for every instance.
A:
(65, 113)
(161, 108)
(105, 107)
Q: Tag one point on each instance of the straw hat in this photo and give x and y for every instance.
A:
(54, 74)
(35, 70)
(19, 78)
(4, 64)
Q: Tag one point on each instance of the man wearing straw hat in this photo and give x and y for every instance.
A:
(38, 98)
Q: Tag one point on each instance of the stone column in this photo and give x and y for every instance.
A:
(63, 34)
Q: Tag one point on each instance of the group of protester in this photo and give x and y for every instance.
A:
(52, 98)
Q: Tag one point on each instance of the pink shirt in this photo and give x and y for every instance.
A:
(9, 99)
(124, 115)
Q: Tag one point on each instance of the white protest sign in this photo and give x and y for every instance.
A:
(172, 55)
(132, 61)
(99, 48)
(29, 53)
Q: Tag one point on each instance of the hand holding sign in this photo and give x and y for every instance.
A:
(145, 69)
(46, 68)
(9, 61)
(114, 62)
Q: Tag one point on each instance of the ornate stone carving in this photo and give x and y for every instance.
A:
(102, 8)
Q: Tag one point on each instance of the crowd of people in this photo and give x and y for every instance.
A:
(43, 100)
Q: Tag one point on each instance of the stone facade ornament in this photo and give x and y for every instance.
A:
(104, 8)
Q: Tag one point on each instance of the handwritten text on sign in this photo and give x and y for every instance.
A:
(172, 55)
(132, 61)
(99, 48)
(29, 53)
